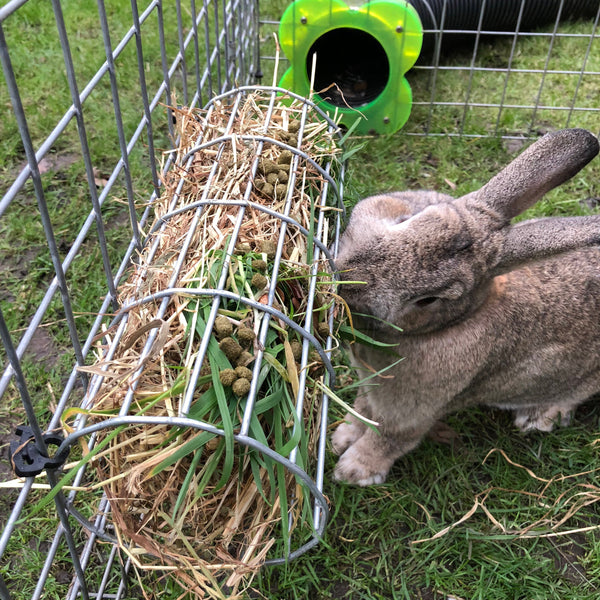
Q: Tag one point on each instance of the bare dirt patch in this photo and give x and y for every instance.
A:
(43, 349)
(55, 162)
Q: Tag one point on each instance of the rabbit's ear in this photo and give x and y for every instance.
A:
(540, 238)
(550, 161)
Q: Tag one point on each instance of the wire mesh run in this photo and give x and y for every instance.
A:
(167, 283)
(212, 50)
(523, 67)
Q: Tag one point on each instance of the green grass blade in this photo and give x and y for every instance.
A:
(226, 420)
(193, 445)
(349, 333)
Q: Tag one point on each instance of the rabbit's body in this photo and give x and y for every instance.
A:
(489, 314)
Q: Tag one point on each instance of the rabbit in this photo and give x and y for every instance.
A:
(479, 310)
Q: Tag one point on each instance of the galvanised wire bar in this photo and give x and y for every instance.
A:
(546, 65)
(63, 515)
(434, 72)
(318, 515)
(83, 142)
(4, 591)
(471, 68)
(182, 64)
(166, 78)
(583, 71)
(194, 34)
(10, 7)
(509, 67)
(144, 90)
(120, 130)
(21, 384)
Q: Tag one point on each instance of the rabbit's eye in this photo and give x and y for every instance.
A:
(425, 301)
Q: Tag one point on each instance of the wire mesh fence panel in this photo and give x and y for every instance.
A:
(513, 69)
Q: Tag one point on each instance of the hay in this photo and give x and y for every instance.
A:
(187, 503)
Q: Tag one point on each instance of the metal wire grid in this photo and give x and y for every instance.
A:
(216, 47)
(330, 195)
(232, 59)
(533, 113)
(488, 101)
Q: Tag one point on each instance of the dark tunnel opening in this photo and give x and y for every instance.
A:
(352, 68)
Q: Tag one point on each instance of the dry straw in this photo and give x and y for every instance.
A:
(546, 511)
(187, 503)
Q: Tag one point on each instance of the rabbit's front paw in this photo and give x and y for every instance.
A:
(354, 467)
(346, 434)
(542, 418)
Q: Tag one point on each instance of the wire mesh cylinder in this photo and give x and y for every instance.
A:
(205, 417)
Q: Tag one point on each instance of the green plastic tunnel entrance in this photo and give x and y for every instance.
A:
(352, 68)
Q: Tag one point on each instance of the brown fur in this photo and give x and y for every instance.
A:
(491, 313)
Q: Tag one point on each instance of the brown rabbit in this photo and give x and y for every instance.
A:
(482, 311)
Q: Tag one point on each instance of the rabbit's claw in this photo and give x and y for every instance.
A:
(542, 418)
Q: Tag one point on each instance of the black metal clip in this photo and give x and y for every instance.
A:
(26, 458)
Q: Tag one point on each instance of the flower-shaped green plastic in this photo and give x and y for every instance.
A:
(356, 56)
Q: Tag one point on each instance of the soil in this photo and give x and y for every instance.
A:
(568, 555)
(54, 162)
(43, 349)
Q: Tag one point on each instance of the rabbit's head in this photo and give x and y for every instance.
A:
(422, 261)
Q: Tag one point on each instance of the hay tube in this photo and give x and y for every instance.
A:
(203, 418)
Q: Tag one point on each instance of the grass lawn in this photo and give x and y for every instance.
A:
(477, 511)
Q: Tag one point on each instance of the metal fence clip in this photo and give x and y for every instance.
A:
(27, 459)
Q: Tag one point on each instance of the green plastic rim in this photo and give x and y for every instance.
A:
(361, 55)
